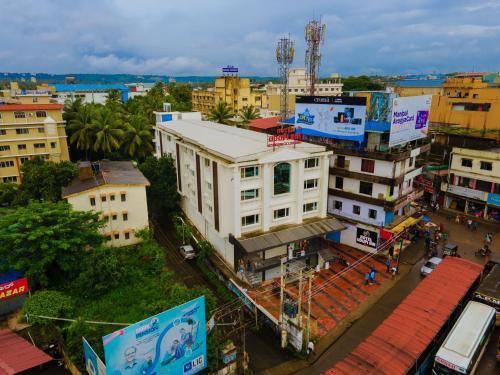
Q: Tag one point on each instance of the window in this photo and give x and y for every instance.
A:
(282, 174)
(310, 207)
(356, 210)
(210, 209)
(249, 220)
(281, 213)
(478, 107)
(391, 191)
(92, 201)
(483, 185)
(465, 182)
(125, 216)
(23, 159)
(21, 147)
(467, 163)
(3, 132)
(105, 217)
(53, 144)
(4, 148)
(372, 214)
(339, 182)
(486, 165)
(19, 114)
(207, 162)
(114, 216)
(127, 235)
(410, 163)
(10, 179)
(311, 163)
(168, 138)
(337, 205)
(209, 186)
(39, 145)
(108, 237)
(365, 187)
(123, 197)
(117, 236)
(41, 130)
(111, 197)
(103, 198)
(22, 131)
(367, 165)
(248, 172)
(41, 114)
(341, 161)
(311, 184)
(249, 194)
(6, 164)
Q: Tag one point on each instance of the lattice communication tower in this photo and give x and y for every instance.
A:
(315, 36)
(284, 55)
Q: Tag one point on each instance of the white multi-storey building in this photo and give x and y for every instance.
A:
(297, 85)
(253, 202)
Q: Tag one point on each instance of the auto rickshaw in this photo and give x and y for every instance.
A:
(451, 250)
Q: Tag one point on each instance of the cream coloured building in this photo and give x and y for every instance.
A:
(116, 189)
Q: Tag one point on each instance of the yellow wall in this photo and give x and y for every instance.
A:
(415, 91)
(274, 103)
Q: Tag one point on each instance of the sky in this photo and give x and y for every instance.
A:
(198, 37)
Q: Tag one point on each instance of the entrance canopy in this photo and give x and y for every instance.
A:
(18, 355)
(285, 236)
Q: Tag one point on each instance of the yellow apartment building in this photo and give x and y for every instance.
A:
(29, 126)
(237, 92)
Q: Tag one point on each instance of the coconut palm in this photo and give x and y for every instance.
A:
(249, 113)
(221, 113)
(108, 129)
(114, 96)
(82, 129)
(138, 138)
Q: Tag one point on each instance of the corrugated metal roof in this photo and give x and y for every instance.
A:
(399, 341)
(89, 87)
(18, 355)
(29, 107)
(491, 284)
(264, 123)
(296, 233)
(418, 83)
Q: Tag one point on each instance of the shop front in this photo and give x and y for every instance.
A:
(493, 209)
(466, 200)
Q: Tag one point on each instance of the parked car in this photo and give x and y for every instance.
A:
(187, 251)
(429, 266)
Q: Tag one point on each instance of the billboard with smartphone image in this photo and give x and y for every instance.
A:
(410, 119)
(331, 117)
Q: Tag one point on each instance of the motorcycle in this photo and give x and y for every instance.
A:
(484, 251)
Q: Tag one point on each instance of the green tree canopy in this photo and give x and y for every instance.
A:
(48, 303)
(249, 113)
(47, 240)
(162, 195)
(360, 83)
(221, 113)
(8, 193)
(138, 138)
(108, 131)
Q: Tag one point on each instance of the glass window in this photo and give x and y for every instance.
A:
(281, 213)
(23, 159)
(365, 187)
(103, 198)
(467, 163)
(483, 185)
(282, 175)
(111, 197)
(127, 235)
(123, 197)
(53, 144)
(207, 162)
(372, 214)
(249, 220)
(339, 182)
(249, 194)
(391, 191)
(3, 131)
(410, 163)
(4, 148)
(367, 165)
(19, 114)
(39, 145)
(6, 164)
(311, 183)
(311, 163)
(21, 147)
(341, 161)
(125, 216)
(248, 172)
(486, 165)
(22, 131)
(337, 205)
(356, 210)
(92, 201)
(310, 207)
(41, 130)
(10, 179)
(117, 236)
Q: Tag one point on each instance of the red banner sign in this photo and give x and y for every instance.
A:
(284, 137)
(13, 288)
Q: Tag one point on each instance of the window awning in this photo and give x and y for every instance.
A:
(297, 233)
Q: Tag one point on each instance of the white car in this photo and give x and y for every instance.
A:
(187, 251)
(430, 265)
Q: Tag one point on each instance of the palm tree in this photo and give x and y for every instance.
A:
(221, 113)
(249, 113)
(108, 131)
(138, 138)
(82, 129)
(114, 96)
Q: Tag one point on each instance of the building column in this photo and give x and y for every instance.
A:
(236, 202)
(300, 190)
(485, 213)
(267, 191)
(474, 183)
(324, 180)
(466, 209)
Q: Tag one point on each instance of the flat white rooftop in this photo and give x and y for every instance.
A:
(232, 143)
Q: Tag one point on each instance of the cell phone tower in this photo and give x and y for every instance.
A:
(315, 36)
(284, 55)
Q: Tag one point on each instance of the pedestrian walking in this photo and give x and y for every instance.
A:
(310, 348)
(469, 223)
(457, 219)
(367, 278)
(372, 275)
(437, 207)
(388, 265)
(394, 271)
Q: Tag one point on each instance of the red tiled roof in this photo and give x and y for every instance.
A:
(18, 355)
(29, 107)
(264, 123)
(398, 342)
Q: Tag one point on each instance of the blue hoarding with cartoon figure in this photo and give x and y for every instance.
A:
(172, 342)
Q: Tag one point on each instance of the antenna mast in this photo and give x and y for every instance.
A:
(315, 36)
(284, 56)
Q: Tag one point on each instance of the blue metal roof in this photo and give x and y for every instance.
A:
(89, 87)
(418, 82)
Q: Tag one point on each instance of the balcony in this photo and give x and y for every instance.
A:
(344, 172)
(349, 215)
(389, 205)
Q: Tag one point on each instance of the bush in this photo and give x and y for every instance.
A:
(48, 303)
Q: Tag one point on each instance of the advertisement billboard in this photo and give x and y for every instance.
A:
(331, 117)
(13, 288)
(380, 108)
(93, 363)
(366, 237)
(410, 119)
(172, 342)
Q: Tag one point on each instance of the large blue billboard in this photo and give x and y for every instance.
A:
(93, 363)
(172, 342)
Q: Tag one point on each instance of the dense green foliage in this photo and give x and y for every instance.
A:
(47, 241)
(360, 83)
(50, 303)
(249, 113)
(221, 113)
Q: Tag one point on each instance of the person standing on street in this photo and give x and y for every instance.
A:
(388, 265)
(367, 278)
(310, 348)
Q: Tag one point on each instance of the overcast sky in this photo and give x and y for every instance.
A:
(197, 37)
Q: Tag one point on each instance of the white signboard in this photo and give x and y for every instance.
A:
(410, 119)
(466, 192)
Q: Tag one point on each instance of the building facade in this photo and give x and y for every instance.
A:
(240, 193)
(474, 183)
(88, 93)
(30, 125)
(116, 189)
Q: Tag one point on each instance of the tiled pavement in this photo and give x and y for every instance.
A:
(332, 300)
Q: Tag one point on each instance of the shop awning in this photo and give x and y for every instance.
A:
(286, 236)
(405, 224)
